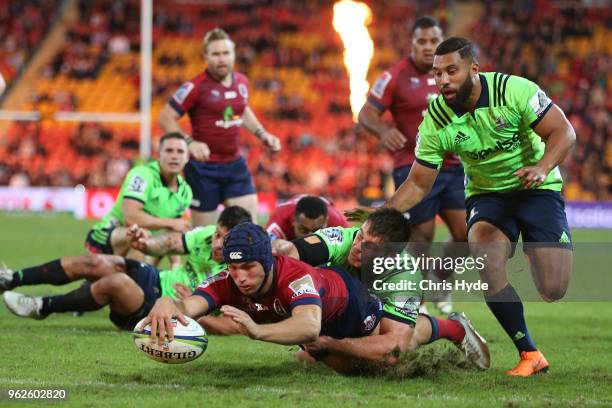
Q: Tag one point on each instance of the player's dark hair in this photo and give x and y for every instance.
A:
(389, 224)
(425, 22)
(312, 207)
(172, 135)
(457, 44)
(232, 216)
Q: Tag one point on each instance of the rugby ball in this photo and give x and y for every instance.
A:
(189, 342)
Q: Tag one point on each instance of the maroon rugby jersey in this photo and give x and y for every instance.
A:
(215, 112)
(406, 93)
(280, 224)
(295, 283)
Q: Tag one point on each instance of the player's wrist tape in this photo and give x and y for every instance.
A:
(259, 132)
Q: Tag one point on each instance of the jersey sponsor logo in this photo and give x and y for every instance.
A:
(334, 235)
(505, 145)
(137, 185)
(243, 91)
(303, 286)
(218, 277)
(230, 95)
(379, 87)
(539, 102)
(229, 119)
(183, 92)
(278, 308)
(500, 123)
(237, 255)
(275, 231)
(408, 307)
(473, 213)
(461, 137)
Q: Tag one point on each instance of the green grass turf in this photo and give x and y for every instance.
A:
(99, 366)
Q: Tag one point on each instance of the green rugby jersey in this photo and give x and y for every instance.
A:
(400, 305)
(144, 183)
(493, 142)
(199, 265)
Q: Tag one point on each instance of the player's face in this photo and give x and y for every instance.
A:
(455, 78)
(303, 225)
(363, 236)
(220, 58)
(248, 276)
(173, 156)
(217, 242)
(424, 44)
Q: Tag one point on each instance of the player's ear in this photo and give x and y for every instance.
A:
(475, 68)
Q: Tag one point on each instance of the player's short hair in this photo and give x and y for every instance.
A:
(457, 44)
(389, 224)
(312, 207)
(214, 35)
(425, 22)
(232, 216)
(172, 135)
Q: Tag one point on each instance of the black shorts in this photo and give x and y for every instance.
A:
(147, 277)
(536, 215)
(98, 240)
(447, 193)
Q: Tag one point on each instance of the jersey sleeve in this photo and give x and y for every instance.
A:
(216, 290)
(198, 237)
(527, 99)
(184, 98)
(401, 305)
(381, 94)
(338, 241)
(138, 184)
(428, 150)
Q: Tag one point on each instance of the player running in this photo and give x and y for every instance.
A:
(343, 247)
(217, 104)
(154, 196)
(405, 90)
(511, 139)
(129, 287)
(303, 215)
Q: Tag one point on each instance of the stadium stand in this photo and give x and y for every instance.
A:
(298, 87)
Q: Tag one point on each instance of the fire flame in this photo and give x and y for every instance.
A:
(351, 19)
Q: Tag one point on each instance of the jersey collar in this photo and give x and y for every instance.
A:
(483, 100)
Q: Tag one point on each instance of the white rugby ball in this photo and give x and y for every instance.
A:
(189, 342)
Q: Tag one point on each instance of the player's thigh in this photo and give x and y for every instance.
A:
(248, 202)
(122, 292)
(490, 244)
(551, 269)
(203, 218)
(119, 241)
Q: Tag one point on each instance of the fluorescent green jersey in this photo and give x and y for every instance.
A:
(493, 142)
(401, 305)
(199, 266)
(144, 184)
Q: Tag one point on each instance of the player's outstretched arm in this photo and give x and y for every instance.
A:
(134, 213)
(383, 348)
(414, 188)
(371, 119)
(165, 308)
(155, 245)
(302, 327)
(559, 136)
(255, 127)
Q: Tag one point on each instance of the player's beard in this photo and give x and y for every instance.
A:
(462, 95)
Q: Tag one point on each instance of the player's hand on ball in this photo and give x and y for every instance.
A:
(359, 215)
(160, 318)
(531, 176)
(251, 328)
(271, 142)
(182, 290)
(199, 151)
(393, 139)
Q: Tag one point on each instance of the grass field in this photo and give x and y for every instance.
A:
(99, 366)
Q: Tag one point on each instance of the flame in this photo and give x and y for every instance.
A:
(350, 21)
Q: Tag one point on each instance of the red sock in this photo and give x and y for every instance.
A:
(451, 330)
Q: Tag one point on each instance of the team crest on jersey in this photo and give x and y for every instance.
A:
(137, 185)
(379, 87)
(334, 235)
(183, 92)
(415, 82)
(369, 323)
(303, 286)
(243, 91)
(539, 102)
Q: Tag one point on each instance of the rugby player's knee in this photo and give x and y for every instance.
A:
(552, 294)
